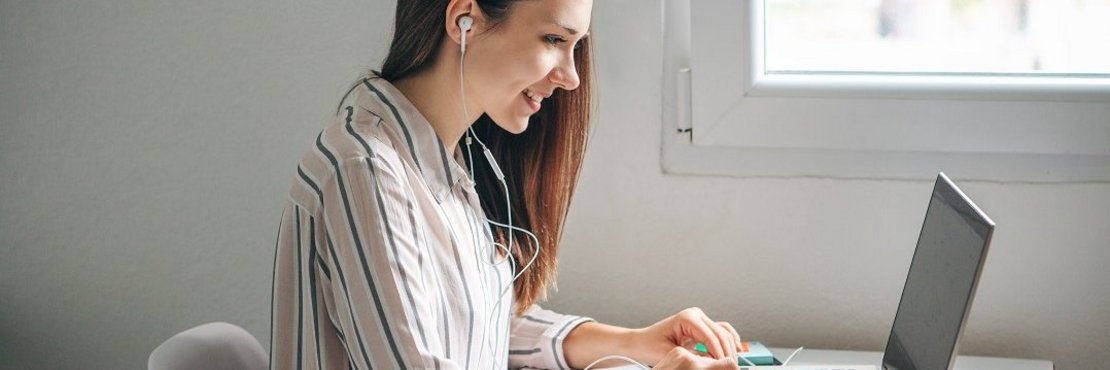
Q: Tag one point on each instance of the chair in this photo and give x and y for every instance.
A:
(212, 346)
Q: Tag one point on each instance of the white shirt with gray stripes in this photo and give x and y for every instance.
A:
(381, 259)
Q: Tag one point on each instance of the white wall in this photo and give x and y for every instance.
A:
(145, 150)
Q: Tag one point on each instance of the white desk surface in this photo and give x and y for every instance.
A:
(832, 357)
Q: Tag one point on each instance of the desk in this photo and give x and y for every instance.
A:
(830, 357)
(822, 357)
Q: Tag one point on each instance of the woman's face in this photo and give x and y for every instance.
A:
(533, 51)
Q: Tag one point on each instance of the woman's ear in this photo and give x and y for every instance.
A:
(456, 9)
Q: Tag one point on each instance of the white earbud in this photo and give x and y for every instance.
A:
(464, 24)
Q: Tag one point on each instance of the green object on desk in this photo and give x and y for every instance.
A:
(757, 354)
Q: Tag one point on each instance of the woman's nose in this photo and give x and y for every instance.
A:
(566, 75)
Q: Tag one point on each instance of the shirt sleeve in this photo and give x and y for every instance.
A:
(374, 254)
(536, 338)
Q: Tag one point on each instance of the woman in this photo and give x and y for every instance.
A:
(385, 258)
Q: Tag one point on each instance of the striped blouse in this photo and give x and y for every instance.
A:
(382, 259)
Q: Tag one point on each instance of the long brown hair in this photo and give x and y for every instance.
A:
(541, 165)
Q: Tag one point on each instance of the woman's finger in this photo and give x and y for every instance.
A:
(727, 341)
(705, 334)
(735, 334)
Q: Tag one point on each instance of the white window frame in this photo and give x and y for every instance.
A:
(720, 118)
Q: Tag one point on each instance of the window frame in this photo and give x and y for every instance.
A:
(722, 120)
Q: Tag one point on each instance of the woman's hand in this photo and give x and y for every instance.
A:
(682, 359)
(684, 329)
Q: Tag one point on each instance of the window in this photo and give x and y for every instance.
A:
(1035, 37)
(1004, 90)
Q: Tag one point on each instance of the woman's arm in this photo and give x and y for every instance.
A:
(651, 345)
(536, 338)
(371, 251)
(593, 340)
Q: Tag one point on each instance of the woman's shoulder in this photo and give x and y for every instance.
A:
(356, 135)
(353, 138)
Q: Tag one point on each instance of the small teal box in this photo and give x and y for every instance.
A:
(758, 354)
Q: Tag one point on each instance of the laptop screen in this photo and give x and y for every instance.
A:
(941, 282)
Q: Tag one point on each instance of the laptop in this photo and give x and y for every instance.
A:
(939, 288)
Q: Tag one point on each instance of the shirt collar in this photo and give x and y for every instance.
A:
(424, 148)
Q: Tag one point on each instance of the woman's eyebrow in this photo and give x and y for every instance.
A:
(570, 29)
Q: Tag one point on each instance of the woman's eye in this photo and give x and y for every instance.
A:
(555, 40)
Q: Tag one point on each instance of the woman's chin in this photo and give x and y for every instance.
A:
(513, 124)
(515, 127)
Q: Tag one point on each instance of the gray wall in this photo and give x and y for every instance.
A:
(146, 149)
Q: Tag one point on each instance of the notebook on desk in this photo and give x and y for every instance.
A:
(939, 287)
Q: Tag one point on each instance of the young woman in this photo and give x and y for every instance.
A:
(395, 249)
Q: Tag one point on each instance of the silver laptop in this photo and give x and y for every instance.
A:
(939, 287)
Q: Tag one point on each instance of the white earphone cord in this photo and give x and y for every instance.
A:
(642, 366)
(464, 24)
